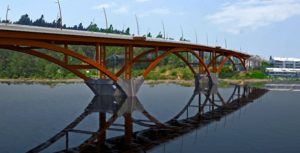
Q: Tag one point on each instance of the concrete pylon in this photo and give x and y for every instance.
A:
(132, 86)
(106, 87)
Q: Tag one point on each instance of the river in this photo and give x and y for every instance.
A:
(32, 113)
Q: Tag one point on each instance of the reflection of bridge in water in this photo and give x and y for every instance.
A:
(210, 106)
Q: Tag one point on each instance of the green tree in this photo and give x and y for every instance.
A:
(93, 27)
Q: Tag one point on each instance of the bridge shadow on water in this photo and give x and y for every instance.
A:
(210, 106)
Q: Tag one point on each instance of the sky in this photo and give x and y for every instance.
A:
(259, 27)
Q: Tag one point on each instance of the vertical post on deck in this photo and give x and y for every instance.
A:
(214, 62)
(102, 59)
(128, 59)
(128, 128)
(156, 52)
(65, 55)
(201, 67)
(98, 58)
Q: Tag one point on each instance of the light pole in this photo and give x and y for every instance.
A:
(137, 25)
(206, 39)
(105, 16)
(196, 36)
(164, 30)
(60, 14)
(6, 19)
(181, 32)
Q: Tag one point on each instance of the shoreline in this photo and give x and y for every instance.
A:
(230, 81)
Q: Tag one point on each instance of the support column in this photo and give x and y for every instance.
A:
(102, 121)
(128, 128)
(128, 59)
(130, 87)
(201, 67)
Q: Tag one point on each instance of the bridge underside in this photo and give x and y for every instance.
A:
(59, 49)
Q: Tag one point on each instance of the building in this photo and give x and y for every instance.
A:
(254, 62)
(279, 62)
(283, 72)
(284, 67)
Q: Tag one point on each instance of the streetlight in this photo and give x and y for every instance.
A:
(105, 16)
(196, 36)
(6, 20)
(206, 39)
(137, 25)
(181, 29)
(58, 3)
(164, 30)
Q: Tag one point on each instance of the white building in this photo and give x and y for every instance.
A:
(279, 62)
(283, 72)
(254, 61)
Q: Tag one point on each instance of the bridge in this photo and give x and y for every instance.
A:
(35, 40)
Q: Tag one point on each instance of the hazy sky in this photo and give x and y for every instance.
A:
(262, 27)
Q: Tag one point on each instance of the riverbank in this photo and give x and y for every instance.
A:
(150, 82)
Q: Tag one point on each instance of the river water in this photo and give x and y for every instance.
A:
(31, 114)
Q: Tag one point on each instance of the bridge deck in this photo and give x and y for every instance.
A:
(91, 38)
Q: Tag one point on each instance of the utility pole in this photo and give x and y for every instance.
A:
(105, 16)
(164, 30)
(60, 14)
(225, 43)
(137, 25)
(6, 20)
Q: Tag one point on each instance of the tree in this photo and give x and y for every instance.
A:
(24, 20)
(93, 27)
(159, 35)
(80, 26)
(40, 22)
(149, 35)
(127, 31)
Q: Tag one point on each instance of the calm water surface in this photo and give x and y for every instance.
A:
(31, 114)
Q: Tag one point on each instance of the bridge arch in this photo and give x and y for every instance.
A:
(223, 61)
(46, 57)
(174, 51)
(228, 57)
(135, 59)
(52, 47)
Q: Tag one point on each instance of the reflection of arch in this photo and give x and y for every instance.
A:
(46, 57)
(208, 100)
(175, 50)
(228, 57)
(44, 45)
(135, 59)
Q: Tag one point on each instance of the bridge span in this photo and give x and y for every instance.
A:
(34, 40)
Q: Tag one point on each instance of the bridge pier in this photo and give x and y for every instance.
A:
(107, 87)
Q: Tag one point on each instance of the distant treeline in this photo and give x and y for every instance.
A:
(16, 65)
(25, 20)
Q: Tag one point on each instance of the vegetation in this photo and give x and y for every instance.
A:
(16, 65)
